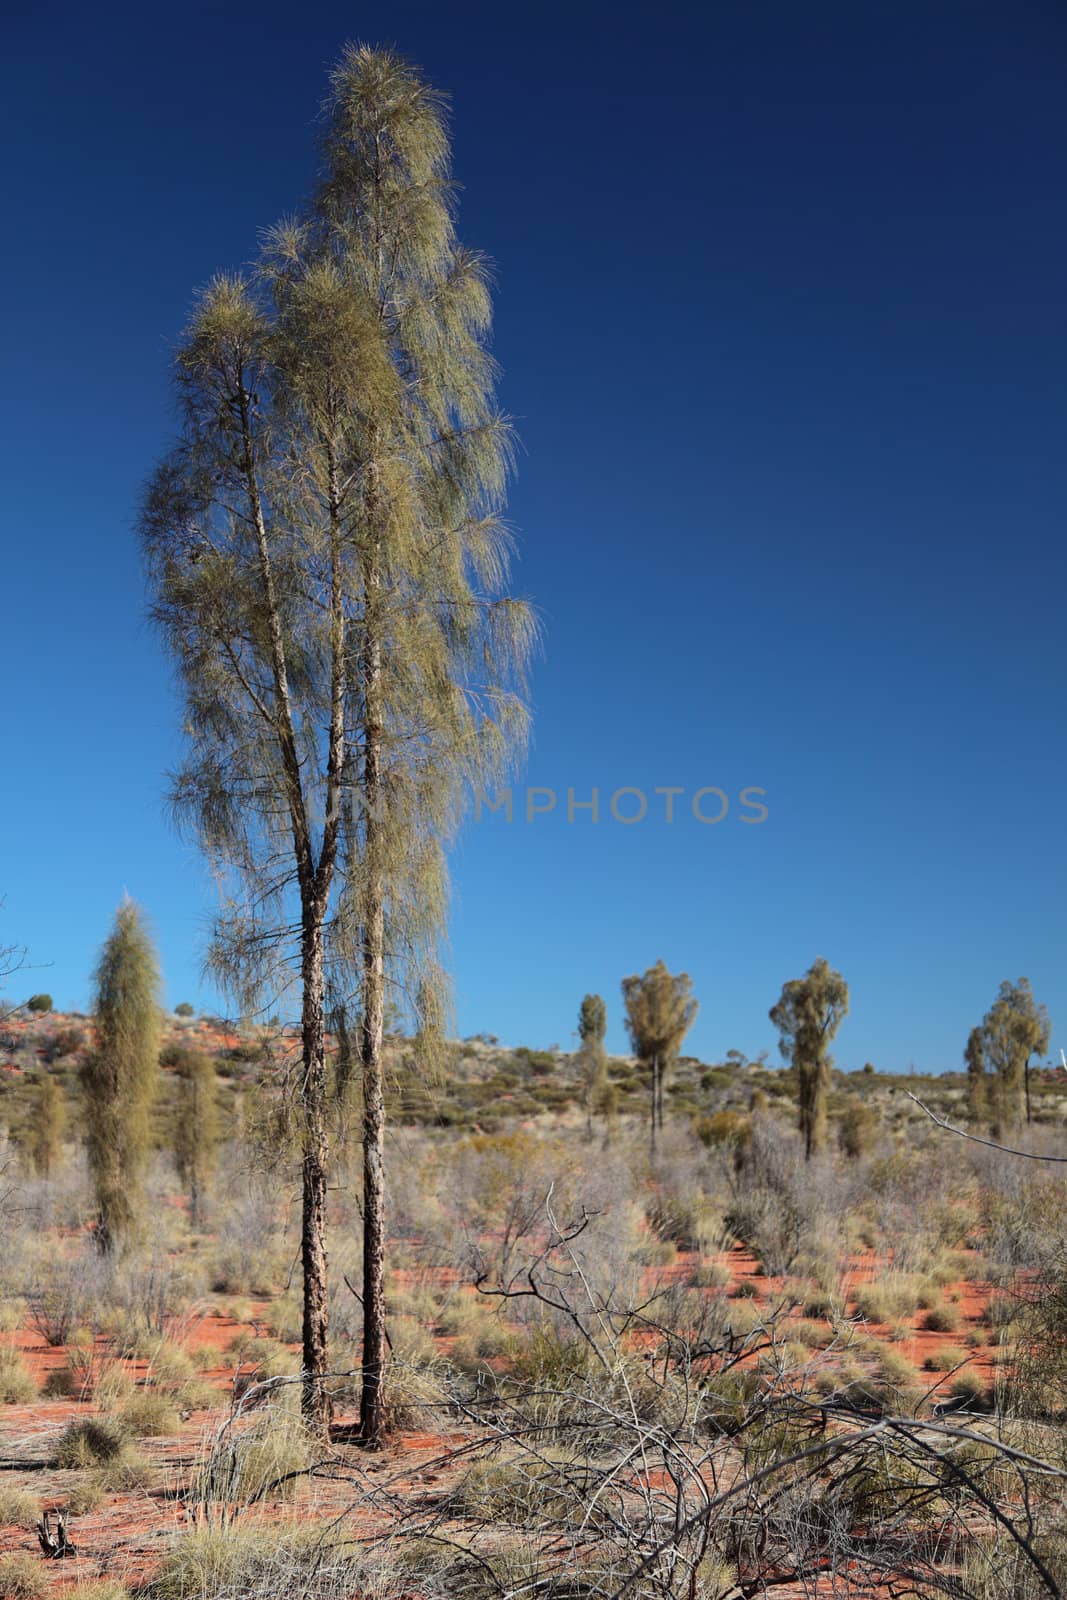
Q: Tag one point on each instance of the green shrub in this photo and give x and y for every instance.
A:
(183, 1009)
(22, 1577)
(40, 1003)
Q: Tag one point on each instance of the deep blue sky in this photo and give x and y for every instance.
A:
(781, 310)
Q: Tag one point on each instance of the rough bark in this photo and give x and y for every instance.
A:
(371, 1406)
(315, 1401)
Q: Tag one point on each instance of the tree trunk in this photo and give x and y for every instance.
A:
(371, 1408)
(315, 1401)
(1026, 1083)
(655, 1091)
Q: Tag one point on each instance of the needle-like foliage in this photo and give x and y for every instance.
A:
(327, 560)
(660, 1009)
(808, 1013)
(120, 1074)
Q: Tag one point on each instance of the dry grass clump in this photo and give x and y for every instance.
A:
(17, 1507)
(945, 1357)
(264, 1462)
(98, 1589)
(268, 1560)
(16, 1384)
(148, 1414)
(22, 1577)
(91, 1442)
(943, 1319)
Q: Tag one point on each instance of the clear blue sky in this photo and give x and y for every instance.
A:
(781, 310)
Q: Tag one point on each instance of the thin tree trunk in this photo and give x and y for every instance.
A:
(315, 1400)
(652, 1126)
(1026, 1082)
(371, 1408)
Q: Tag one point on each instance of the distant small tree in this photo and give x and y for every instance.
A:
(47, 1125)
(41, 1003)
(659, 1013)
(592, 1027)
(119, 1075)
(977, 1088)
(1014, 1030)
(183, 1009)
(196, 1130)
(808, 1014)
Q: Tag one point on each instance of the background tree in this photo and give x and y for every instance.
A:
(120, 1073)
(327, 556)
(196, 1132)
(659, 1013)
(977, 1087)
(593, 1059)
(48, 1122)
(1014, 1029)
(39, 1003)
(808, 1014)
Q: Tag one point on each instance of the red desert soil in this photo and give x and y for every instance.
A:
(126, 1535)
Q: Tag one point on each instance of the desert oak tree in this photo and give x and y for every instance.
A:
(121, 1073)
(328, 561)
(659, 1013)
(808, 1013)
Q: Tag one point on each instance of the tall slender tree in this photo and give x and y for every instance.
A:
(660, 1009)
(807, 1014)
(196, 1132)
(977, 1086)
(48, 1122)
(120, 1074)
(592, 1028)
(328, 561)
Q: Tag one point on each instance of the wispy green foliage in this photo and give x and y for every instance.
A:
(593, 1059)
(48, 1122)
(808, 1013)
(197, 1129)
(977, 1087)
(1013, 1031)
(120, 1074)
(660, 1009)
(328, 556)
